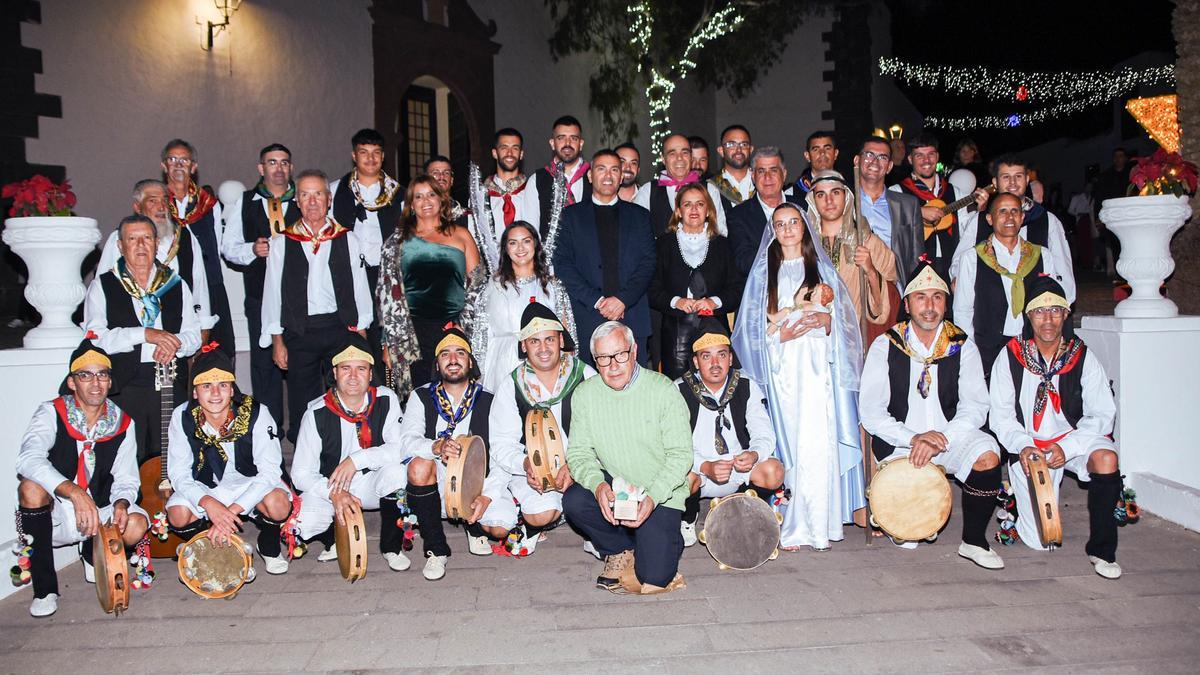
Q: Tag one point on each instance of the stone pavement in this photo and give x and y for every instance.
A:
(852, 609)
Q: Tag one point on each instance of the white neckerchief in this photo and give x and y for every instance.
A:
(693, 247)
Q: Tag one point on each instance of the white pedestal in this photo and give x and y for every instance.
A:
(1155, 372)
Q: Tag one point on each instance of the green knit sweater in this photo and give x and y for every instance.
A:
(642, 434)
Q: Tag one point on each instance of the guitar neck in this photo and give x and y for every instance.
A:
(166, 391)
(965, 201)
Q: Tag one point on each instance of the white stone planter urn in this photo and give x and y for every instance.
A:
(1145, 225)
(53, 248)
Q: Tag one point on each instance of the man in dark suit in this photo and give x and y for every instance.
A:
(748, 220)
(605, 256)
(894, 216)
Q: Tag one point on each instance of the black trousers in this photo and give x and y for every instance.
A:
(375, 330)
(265, 377)
(223, 331)
(657, 544)
(308, 364)
(142, 401)
(429, 333)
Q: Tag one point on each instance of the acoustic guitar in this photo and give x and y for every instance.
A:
(156, 485)
(948, 210)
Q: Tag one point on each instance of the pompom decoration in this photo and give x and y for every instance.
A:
(143, 566)
(22, 550)
(1127, 510)
(159, 526)
(781, 498)
(289, 534)
(1006, 516)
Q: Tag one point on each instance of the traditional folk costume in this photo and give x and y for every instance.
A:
(199, 211)
(733, 191)
(316, 287)
(508, 203)
(59, 447)
(1039, 227)
(516, 394)
(119, 311)
(909, 388)
(658, 197)
(539, 192)
(941, 241)
(811, 384)
(259, 214)
(431, 414)
(989, 296)
(1066, 402)
(370, 437)
(238, 463)
(639, 434)
(180, 253)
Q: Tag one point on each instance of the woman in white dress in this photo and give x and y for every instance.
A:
(798, 338)
(494, 320)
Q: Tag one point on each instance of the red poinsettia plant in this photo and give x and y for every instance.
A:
(1162, 173)
(39, 196)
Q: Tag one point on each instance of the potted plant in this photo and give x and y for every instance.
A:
(53, 243)
(1145, 221)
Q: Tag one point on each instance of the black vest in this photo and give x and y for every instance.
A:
(205, 233)
(1036, 226)
(1070, 388)
(294, 287)
(255, 224)
(243, 447)
(120, 314)
(64, 457)
(991, 310)
(329, 428)
(523, 409)
(660, 208)
(479, 415)
(545, 189)
(900, 380)
(948, 239)
(737, 408)
(348, 212)
(185, 258)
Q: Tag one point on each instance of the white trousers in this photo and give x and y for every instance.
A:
(316, 509)
(66, 528)
(502, 512)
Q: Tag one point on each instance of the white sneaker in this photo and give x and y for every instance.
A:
(590, 549)
(89, 573)
(275, 565)
(985, 558)
(435, 567)
(479, 545)
(1108, 570)
(688, 530)
(44, 606)
(397, 561)
(328, 554)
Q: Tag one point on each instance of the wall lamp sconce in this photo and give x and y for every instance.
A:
(894, 132)
(226, 8)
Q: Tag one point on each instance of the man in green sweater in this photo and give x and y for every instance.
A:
(630, 424)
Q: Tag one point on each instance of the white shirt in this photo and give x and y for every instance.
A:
(745, 186)
(924, 414)
(110, 253)
(962, 215)
(642, 199)
(234, 247)
(415, 443)
(532, 202)
(306, 463)
(250, 490)
(506, 425)
(1099, 409)
(117, 340)
(218, 223)
(1056, 250)
(525, 211)
(370, 236)
(964, 289)
(758, 424)
(321, 298)
(33, 460)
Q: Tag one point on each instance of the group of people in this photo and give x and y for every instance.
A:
(692, 337)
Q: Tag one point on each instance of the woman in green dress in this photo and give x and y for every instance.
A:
(428, 268)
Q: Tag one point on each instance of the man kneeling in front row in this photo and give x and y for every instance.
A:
(630, 426)
(732, 437)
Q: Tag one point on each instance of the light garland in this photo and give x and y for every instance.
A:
(1159, 116)
(1064, 93)
(662, 88)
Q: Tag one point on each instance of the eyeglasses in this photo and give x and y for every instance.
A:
(736, 145)
(87, 375)
(1043, 312)
(178, 161)
(603, 360)
(442, 174)
(869, 157)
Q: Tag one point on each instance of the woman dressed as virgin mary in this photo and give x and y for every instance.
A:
(797, 336)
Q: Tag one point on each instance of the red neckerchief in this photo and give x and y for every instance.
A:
(199, 203)
(298, 231)
(510, 209)
(359, 420)
(666, 180)
(60, 407)
(1061, 365)
(579, 173)
(917, 187)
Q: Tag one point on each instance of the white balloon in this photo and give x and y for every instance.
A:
(229, 192)
(963, 181)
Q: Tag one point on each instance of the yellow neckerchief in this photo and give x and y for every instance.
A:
(1030, 255)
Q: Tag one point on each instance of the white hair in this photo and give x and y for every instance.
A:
(608, 327)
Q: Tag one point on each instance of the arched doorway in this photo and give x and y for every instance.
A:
(430, 122)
